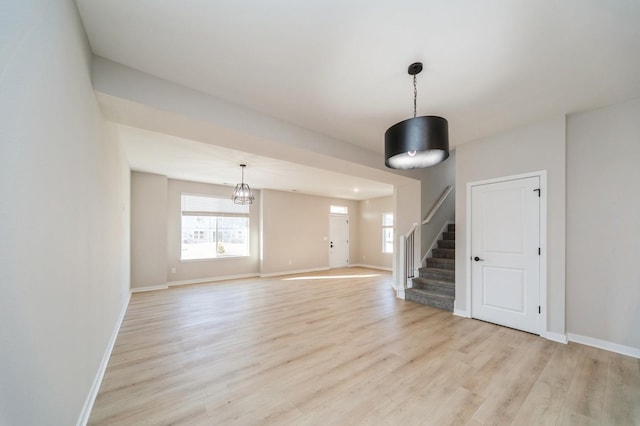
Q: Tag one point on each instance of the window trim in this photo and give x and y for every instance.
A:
(384, 228)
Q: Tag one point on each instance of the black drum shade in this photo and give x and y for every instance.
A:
(416, 143)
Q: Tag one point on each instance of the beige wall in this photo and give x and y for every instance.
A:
(295, 231)
(603, 225)
(211, 268)
(370, 233)
(527, 149)
(64, 217)
(293, 228)
(148, 230)
(407, 212)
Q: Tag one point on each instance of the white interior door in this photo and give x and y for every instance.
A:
(338, 241)
(505, 253)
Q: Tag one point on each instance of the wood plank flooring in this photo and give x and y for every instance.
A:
(336, 348)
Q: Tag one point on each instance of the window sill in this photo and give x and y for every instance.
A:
(206, 259)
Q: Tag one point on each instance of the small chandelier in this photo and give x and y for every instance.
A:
(242, 194)
(419, 141)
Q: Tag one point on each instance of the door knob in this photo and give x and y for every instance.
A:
(477, 259)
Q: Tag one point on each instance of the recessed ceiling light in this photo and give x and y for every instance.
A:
(356, 190)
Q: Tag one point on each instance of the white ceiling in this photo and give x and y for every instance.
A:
(338, 67)
(186, 159)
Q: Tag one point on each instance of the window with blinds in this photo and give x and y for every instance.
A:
(213, 228)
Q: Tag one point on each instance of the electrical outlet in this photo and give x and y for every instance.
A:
(173, 270)
(290, 262)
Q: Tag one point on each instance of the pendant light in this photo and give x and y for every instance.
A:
(242, 194)
(417, 142)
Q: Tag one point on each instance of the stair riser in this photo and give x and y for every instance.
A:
(446, 305)
(444, 289)
(449, 236)
(447, 290)
(450, 244)
(439, 253)
(449, 276)
(451, 227)
(441, 263)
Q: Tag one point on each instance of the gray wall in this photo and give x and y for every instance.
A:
(434, 180)
(148, 230)
(531, 148)
(603, 224)
(64, 217)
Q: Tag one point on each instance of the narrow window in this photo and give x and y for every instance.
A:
(387, 232)
(213, 228)
(339, 210)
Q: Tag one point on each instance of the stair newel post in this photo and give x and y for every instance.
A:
(406, 258)
(402, 277)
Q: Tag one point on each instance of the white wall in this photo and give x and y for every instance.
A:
(531, 148)
(64, 217)
(370, 233)
(148, 230)
(603, 224)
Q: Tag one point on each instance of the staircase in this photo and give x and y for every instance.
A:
(436, 284)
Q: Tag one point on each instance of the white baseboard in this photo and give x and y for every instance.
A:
(555, 337)
(603, 344)
(149, 288)
(461, 313)
(299, 271)
(97, 381)
(361, 265)
(211, 279)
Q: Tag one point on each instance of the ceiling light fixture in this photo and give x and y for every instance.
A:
(242, 194)
(419, 141)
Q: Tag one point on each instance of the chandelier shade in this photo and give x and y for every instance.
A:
(417, 142)
(242, 194)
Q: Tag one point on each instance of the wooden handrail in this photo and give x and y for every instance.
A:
(437, 205)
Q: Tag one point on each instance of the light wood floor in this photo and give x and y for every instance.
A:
(343, 351)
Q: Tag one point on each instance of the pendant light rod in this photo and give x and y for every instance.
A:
(415, 69)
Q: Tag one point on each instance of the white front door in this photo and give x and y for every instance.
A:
(505, 253)
(338, 241)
